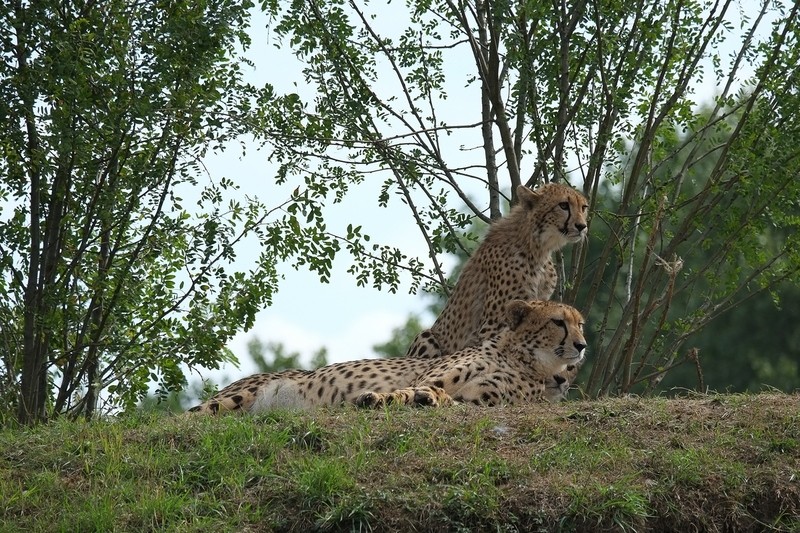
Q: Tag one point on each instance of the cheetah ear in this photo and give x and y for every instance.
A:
(516, 313)
(527, 197)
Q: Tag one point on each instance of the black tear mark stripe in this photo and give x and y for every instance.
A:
(566, 333)
(565, 229)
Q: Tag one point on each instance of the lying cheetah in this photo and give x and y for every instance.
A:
(513, 261)
(540, 339)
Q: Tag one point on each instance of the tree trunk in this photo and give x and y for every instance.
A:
(33, 380)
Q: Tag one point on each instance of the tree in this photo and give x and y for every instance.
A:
(592, 93)
(720, 366)
(752, 347)
(400, 338)
(108, 281)
(115, 244)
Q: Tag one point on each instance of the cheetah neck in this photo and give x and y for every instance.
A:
(515, 232)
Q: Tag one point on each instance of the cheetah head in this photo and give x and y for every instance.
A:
(551, 332)
(557, 211)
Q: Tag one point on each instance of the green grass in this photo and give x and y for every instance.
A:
(722, 462)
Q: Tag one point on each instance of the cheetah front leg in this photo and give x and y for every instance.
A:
(417, 396)
(489, 391)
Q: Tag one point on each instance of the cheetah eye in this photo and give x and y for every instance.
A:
(585, 208)
(558, 322)
(564, 205)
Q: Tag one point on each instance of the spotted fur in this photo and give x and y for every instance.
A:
(539, 340)
(513, 262)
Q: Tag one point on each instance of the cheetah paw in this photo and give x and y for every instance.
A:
(370, 400)
(431, 397)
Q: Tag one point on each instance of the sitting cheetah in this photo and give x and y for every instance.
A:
(513, 261)
(540, 339)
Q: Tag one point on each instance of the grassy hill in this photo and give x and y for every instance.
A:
(710, 463)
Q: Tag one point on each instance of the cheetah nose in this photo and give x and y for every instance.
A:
(580, 227)
(579, 346)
